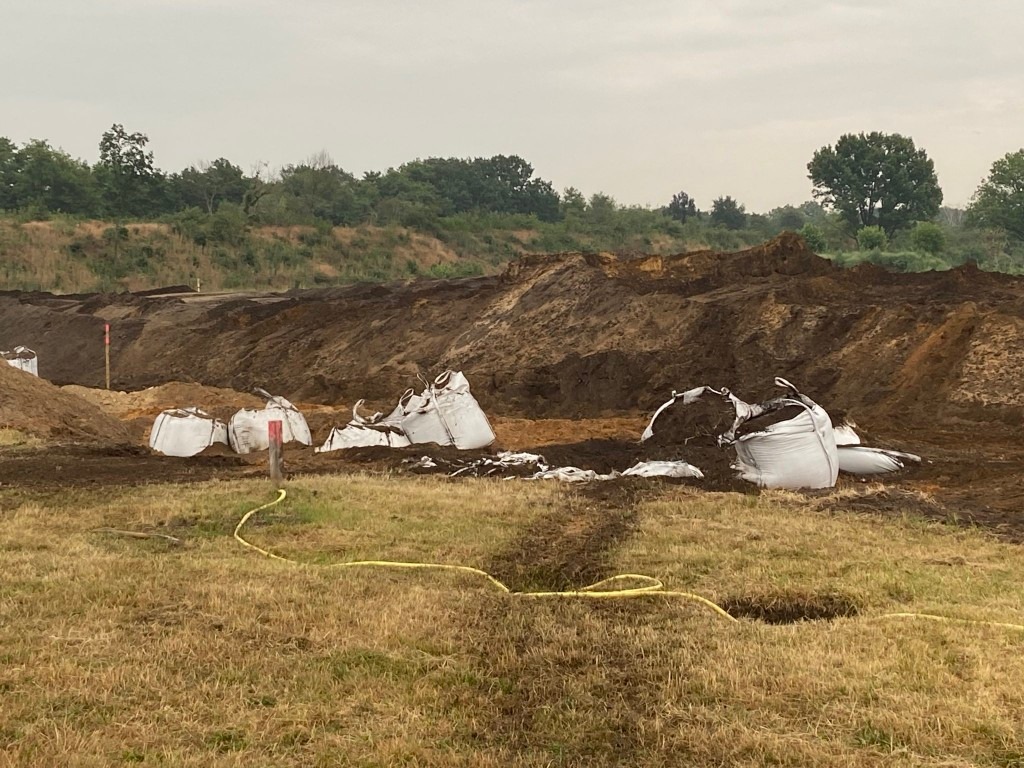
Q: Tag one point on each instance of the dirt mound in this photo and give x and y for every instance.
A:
(217, 401)
(36, 407)
(580, 336)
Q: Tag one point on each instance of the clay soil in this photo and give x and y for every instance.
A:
(568, 354)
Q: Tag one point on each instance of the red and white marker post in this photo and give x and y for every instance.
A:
(106, 348)
(274, 433)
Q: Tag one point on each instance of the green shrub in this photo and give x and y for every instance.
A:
(872, 238)
(928, 237)
(813, 236)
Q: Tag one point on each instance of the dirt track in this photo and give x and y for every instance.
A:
(931, 362)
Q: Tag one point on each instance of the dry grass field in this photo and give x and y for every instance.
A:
(195, 651)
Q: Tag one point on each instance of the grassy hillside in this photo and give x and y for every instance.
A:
(66, 255)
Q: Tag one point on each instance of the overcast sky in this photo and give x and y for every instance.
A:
(637, 100)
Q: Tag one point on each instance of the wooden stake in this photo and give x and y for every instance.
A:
(106, 347)
(276, 452)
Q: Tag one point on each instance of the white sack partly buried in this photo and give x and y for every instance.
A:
(23, 359)
(186, 432)
(247, 429)
(663, 469)
(445, 413)
(364, 433)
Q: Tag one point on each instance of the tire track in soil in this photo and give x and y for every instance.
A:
(569, 547)
(581, 663)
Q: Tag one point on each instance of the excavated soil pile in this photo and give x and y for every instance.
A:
(139, 409)
(578, 335)
(36, 407)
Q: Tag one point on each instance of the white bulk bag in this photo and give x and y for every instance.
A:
(421, 420)
(22, 358)
(797, 453)
(247, 429)
(356, 436)
(186, 432)
(447, 414)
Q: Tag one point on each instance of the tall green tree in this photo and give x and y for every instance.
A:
(876, 179)
(52, 180)
(321, 189)
(999, 201)
(210, 185)
(681, 207)
(8, 171)
(129, 182)
(726, 212)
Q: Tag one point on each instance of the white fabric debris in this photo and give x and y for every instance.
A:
(504, 460)
(861, 460)
(22, 358)
(845, 434)
(663, 469)
(445, 413)
(688, 397)
(857, 459)
(247, 429)
(572, 475)
(186, 432)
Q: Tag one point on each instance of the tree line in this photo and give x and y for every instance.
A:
(869, 189)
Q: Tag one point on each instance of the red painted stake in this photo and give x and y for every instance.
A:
(106, 348)
(275, 436)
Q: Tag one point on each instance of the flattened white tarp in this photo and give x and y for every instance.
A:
(23, 359)
(247, 429)
(186, 432)
(445, 413)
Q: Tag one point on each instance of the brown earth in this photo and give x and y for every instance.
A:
(37, 408)
(569, 353)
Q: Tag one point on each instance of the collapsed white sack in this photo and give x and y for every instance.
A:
(186, 432)
(365, 433)
(247, 429)
(445, 413)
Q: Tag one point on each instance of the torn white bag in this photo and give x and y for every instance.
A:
(186, 432)
(364, 432)
(857, 459)
(796, 453)
(446, 413)
(247, 429)
(22, 358)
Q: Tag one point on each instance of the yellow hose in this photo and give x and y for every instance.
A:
(651, 586)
